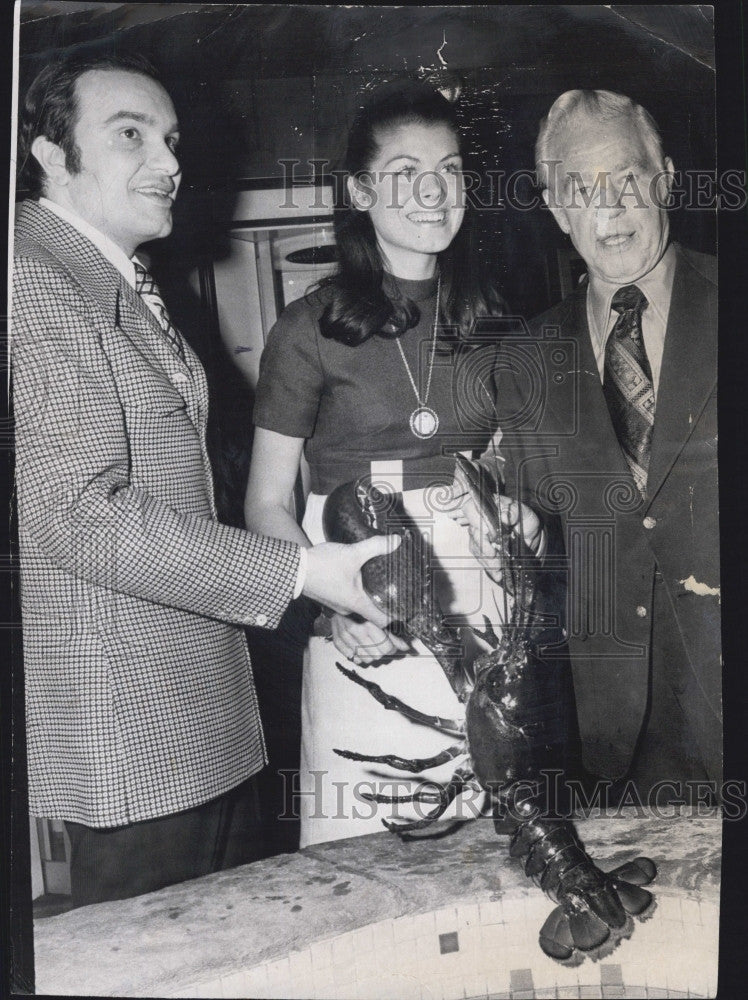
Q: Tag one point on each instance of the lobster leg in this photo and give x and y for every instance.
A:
(466, 778)
(446, 796)
(402, 763)
(451, 727)
(488, 633)
(419, 795)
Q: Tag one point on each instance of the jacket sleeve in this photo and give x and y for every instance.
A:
(79, 502)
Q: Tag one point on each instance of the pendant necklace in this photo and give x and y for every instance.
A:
(424, 421)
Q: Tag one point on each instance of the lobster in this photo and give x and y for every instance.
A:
(514, 717)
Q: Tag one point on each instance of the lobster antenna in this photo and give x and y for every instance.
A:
(519, 591)
(524, 610)
(505, 597)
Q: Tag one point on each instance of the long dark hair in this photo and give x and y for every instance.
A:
(358, 306)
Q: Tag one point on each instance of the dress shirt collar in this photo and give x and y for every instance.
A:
(114, 254)
(657, 285)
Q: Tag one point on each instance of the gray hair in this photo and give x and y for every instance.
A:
(603, 105)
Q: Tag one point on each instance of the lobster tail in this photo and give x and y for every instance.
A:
(634, 899)
(593, 906)
(555, 936)
(564, 934)
(640, 871)
(598, 892)
(628, 880)
(588, 931)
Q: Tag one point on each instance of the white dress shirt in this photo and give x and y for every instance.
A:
(108, 248)
(124, 264)
(657, 285)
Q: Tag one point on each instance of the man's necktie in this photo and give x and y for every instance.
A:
(627, 382)
(147, 288)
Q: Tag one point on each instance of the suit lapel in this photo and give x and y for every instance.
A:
(688, 376)
(47, 233)
(139, 324)
(689, 365)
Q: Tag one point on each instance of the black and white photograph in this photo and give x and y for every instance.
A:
(369, 547)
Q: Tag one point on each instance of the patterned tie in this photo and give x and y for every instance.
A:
(627, 383)
(147, 288)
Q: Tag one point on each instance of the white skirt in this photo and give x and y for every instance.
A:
(338, 713)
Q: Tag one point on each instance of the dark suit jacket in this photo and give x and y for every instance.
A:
(565, 460)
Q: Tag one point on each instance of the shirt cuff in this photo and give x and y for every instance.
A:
(300, 573)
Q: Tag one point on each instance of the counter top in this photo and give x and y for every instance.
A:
(238, 919)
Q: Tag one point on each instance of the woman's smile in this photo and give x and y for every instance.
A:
(423, 218)
(415, 197)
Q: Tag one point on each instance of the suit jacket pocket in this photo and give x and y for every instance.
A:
(143, 387)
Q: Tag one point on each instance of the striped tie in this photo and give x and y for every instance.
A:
(147, 288)
(627, 383)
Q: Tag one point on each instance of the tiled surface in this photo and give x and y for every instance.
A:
(491, 952)
(376, 917)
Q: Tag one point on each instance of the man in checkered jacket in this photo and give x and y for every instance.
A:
(142, 723)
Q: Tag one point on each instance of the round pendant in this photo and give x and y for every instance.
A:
(424, 422)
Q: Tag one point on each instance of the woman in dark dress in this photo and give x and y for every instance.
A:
(363, 376)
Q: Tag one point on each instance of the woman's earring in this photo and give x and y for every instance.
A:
(362, 196)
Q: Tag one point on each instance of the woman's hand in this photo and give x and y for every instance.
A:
(362, 641)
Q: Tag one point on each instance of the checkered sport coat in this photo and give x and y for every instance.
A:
(139, 692)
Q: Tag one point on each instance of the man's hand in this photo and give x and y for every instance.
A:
(363, 642)
(333, 576)
(515, 517)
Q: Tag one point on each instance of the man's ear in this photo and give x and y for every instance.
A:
(559, 214)
(362, 197)
(665, 181)
(51, 158)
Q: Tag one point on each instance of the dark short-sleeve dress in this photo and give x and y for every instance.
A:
(352, 405)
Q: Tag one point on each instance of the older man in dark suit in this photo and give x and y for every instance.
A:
(142, 721)
(608, 417)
